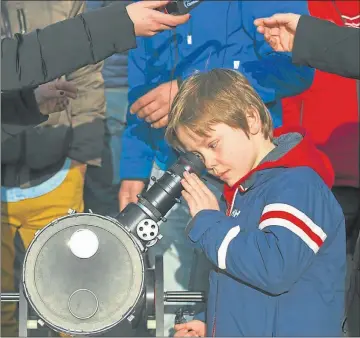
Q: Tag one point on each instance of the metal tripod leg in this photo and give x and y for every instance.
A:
(159, 296)
(23, 312)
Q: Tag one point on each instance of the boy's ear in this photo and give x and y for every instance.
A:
(253, 120)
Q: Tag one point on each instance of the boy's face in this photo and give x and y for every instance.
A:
(227, 153)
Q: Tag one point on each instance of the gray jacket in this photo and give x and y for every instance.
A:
(32, 156)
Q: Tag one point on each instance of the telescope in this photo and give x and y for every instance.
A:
(84, 273)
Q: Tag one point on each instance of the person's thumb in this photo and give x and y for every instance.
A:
(180, 19)
(155, 4)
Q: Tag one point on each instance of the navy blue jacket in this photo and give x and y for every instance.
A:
(278, 247)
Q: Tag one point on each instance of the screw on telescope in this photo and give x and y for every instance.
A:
(181, 313)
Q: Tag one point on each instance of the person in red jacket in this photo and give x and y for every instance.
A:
(329, 110)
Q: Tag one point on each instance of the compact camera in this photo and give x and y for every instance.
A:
(180, 7)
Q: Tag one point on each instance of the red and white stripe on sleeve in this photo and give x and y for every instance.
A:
(287, 216)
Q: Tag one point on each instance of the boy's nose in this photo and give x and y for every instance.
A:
(211, 167)
(210, 162)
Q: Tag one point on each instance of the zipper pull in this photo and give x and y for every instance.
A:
(189, 39)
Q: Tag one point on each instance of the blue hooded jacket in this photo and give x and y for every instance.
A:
(220, 34)
(279, 251)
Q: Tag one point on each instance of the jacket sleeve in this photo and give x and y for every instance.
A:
(273, 75)
(200, 316)
(295, 223)
(19, 111)
(323, 45)
(137, 153)
(32, 59)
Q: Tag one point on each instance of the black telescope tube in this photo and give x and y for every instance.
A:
(163, 194)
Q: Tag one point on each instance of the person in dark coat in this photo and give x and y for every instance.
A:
(30, 60)
(314, 42)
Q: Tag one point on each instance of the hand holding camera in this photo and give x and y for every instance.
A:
(148, 21)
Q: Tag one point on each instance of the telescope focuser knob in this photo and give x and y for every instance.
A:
(147, 230)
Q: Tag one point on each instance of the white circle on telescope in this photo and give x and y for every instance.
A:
(84, 243)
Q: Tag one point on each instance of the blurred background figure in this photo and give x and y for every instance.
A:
(43, 168)
(102, 183)
(329, 109)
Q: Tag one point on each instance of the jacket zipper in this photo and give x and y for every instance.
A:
(22, 20)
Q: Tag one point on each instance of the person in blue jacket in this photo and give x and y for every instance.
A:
(218, 34)
(278, 243)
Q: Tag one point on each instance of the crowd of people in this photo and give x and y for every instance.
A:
(266, 93)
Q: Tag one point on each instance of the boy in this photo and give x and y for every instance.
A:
(279, 250)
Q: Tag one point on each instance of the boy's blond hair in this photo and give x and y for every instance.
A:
(218, 96)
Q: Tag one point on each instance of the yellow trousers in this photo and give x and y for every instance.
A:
(26, 217)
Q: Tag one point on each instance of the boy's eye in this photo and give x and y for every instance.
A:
(199, 156)
(213, 145)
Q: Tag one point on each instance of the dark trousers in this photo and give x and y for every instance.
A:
(349, 199)
(102, 184)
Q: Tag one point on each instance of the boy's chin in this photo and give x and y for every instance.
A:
(230, 182)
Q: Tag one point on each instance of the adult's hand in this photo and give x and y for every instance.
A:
(128, 192)
(193, 328)
(54, 96)
(279, 30)
(155, 105)
(148, 21)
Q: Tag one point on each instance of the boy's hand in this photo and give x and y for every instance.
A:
(194, 328)
(197, 195)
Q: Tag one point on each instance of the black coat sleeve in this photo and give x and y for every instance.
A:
(61, 48)
(19, 111)
(323, 45)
